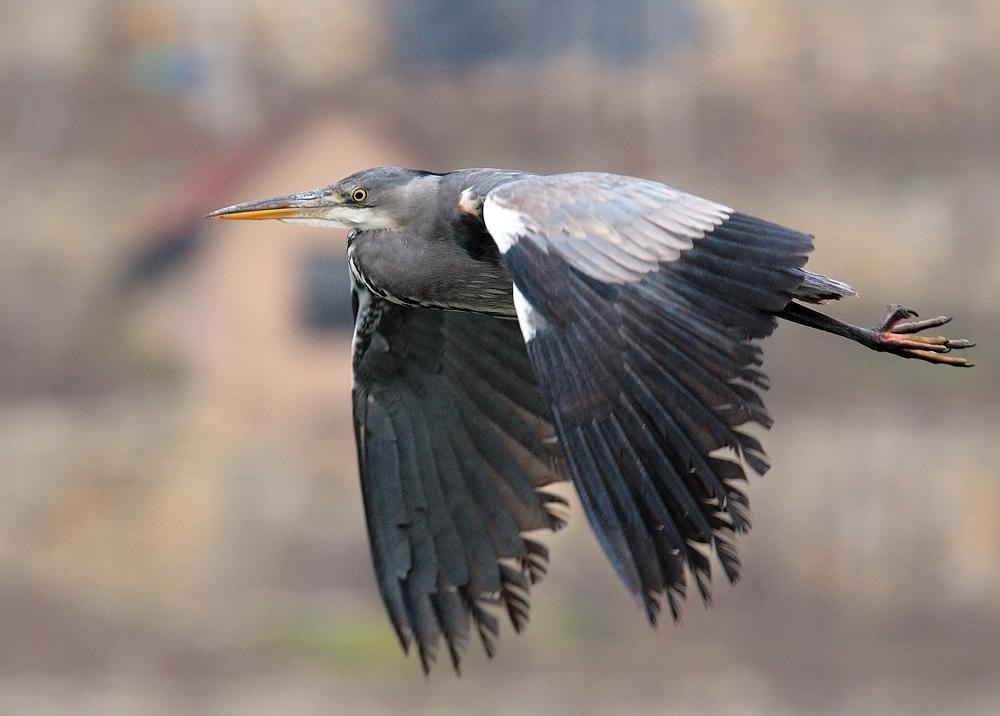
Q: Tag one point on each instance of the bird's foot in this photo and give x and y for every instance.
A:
(892, 335)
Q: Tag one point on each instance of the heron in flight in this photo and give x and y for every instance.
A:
(515, 330)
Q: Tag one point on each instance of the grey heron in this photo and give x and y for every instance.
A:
(514, 330)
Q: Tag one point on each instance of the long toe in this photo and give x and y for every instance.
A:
(932, 357)
(938, 344)
(917, 326)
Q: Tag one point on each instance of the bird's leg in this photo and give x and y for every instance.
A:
(890, 335)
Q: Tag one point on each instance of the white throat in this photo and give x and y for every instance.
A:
(344, 217)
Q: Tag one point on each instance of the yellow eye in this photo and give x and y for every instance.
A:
(359, 195)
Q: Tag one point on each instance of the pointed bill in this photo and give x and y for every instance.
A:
(304, 205)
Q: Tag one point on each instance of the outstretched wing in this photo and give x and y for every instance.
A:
(638, 305)
(454, 441)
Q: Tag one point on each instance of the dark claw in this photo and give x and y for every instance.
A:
(893, 314)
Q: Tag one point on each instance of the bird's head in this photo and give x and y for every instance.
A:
(380, 198)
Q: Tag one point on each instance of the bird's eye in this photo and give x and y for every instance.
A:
(359, 195)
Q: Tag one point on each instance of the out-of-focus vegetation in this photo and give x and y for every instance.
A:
(180, 525)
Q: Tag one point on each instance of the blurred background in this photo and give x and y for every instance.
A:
(180, 522)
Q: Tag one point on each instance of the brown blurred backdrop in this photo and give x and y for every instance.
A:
(180, 525)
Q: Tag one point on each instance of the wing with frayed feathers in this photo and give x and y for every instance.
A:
(639, 305)
(454, 441)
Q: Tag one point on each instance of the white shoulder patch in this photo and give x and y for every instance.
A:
(505, 225)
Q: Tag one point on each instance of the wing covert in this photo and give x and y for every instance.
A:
(614, 228)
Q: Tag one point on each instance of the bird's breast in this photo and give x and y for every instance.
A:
(433, 272)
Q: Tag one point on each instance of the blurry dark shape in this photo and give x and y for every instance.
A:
(631, 362)
(164, 254)
(178, 230)
(458, 34)
(326, 292)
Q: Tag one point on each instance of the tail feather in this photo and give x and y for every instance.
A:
(817, 288)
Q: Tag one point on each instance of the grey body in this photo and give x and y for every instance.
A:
(630, 367)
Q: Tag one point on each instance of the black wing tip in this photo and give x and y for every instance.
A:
(428, 657)
(516, 575)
